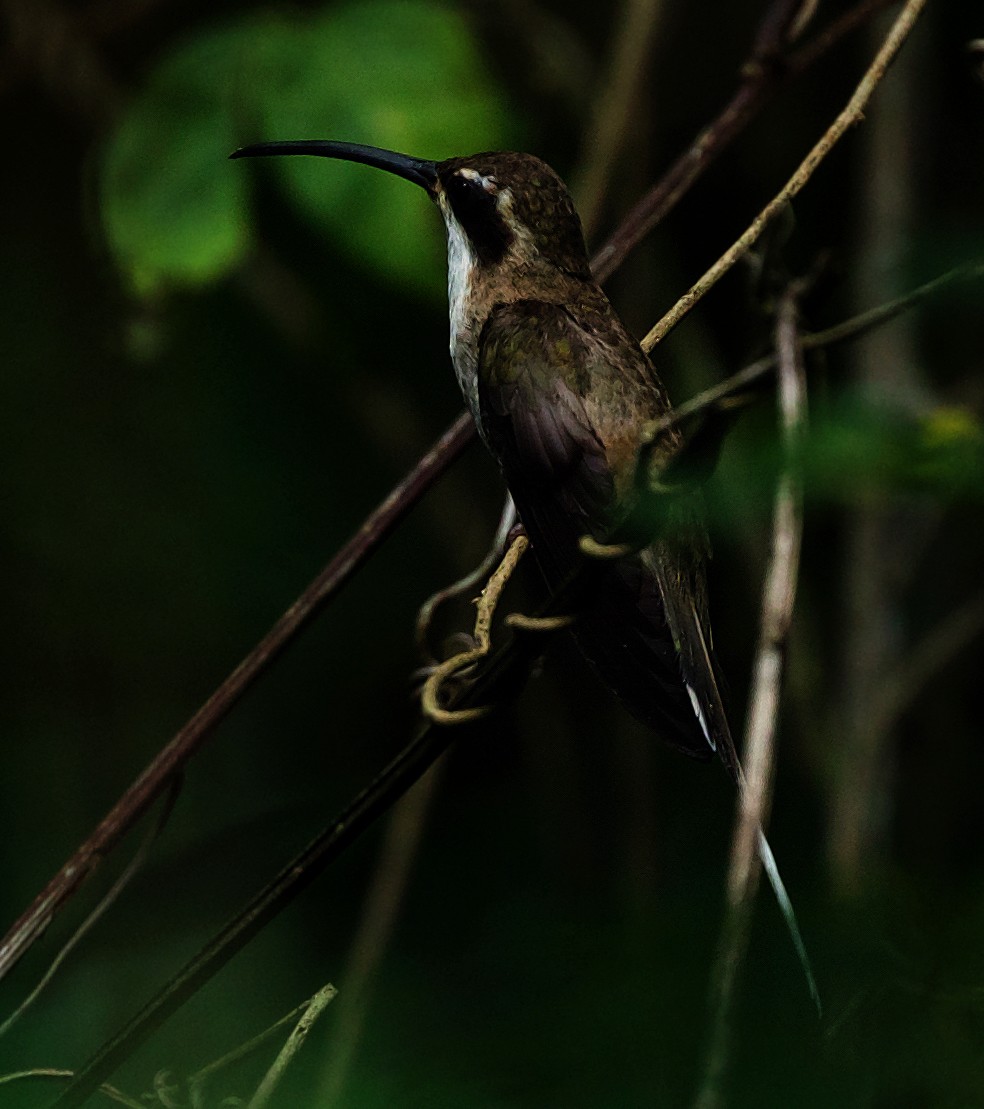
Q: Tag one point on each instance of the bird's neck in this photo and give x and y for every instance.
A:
(474, 290)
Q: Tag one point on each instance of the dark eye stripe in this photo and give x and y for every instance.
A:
(475, 209)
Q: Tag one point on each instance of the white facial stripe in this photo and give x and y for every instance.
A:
(461, 266)
(487, 183)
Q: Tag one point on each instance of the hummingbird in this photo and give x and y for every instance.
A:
(561, 393)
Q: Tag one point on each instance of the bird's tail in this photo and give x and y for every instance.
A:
(698, 671)
(788, 914)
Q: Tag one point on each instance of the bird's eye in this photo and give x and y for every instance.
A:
(473, 201)
(470, 197)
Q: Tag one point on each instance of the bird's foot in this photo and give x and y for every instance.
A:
(519, 621)
(434, 691)
(469, 583)
(593, 548)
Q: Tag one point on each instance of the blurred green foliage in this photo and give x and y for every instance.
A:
(403, 73)
(886, 452)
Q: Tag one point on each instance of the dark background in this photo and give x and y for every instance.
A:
(211, 371)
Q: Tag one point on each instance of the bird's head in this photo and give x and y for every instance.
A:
(501, 209)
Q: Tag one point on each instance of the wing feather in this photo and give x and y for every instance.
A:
(539, 372)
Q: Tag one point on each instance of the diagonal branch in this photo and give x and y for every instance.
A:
(852, 113)
(493, 682)
(105, 903)
(762, 75)
(172, 758)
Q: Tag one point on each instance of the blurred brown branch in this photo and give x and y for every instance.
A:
(759, 82)
(52, 43)
(105, 902)
(852, 114)
(172, 758)
(758, 756)
(612, 112)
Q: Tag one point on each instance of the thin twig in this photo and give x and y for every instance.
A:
(198, 1081)
(172, 758)
(852, 114)
(778, 597)
(865, 322)
(313, 1010)
(61, 1075)
(105, 902)
(759, 82)
(755, 372)
(608, 130)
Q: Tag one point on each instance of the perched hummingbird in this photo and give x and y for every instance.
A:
(560, 393)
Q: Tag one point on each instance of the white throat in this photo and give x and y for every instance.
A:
(461, 266)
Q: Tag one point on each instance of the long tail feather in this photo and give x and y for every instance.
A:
(786, 908)
(699, 676)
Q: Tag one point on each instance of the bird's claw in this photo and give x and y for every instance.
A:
(519, 621)
(430, 697)
(594, 548)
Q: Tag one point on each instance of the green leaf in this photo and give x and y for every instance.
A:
(400, 73)
(395, 74)
(172, 211)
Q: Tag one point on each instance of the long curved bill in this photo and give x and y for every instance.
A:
(417, 170)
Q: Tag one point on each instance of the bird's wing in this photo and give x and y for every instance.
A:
(532, 364)
(698, 670)
(564, 422)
